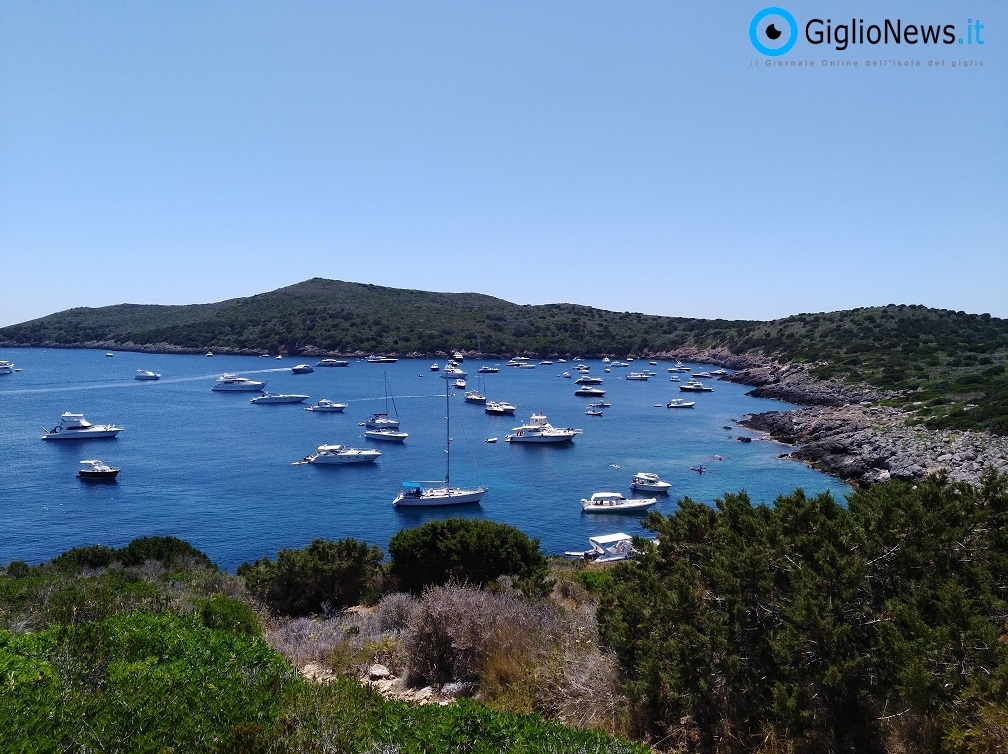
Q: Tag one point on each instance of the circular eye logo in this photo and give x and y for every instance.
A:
(773, 31)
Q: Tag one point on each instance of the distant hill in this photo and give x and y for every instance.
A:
(951, 363)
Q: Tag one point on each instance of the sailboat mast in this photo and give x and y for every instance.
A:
(447, 475)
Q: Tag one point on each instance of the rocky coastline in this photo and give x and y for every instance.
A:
(842, 430)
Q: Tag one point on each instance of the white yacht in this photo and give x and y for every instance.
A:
(380, 419)
(460, 384)
(326, 406)
(332, 363)
(645, 481)
(614, 502)
(146, 374)
(340, 454)
(642, 376)
(302, 369)
(695, 386)
(679, 367)
(499, 408)
(589, 391)
(587, 379)
(703, 375)
(76, 427)
(488, 370)
(280, 398)
(453, 372)
(380, 360)
(545, 362)
(434, 367)
(539, 430)
(680, 403)
(6, 367)
(416, 494)
(232, 382)
(719, 372)
(458, 356)
(385, 434)
(475, 396)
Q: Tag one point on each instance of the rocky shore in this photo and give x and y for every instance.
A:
(842, 431)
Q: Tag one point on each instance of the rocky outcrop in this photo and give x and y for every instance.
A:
(864, 444)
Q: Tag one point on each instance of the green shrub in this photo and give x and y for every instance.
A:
(166, 550)
(79, 558)
(325, 575)
(465, 550)
(18, 569)
(225, 614)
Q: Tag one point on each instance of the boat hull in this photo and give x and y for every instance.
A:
(628, 507)
(98, 476)
(345, 458)
(97, 432)
(440, 497)
(385, 436)
(541, 439)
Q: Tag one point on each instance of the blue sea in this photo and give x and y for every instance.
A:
(216, 470)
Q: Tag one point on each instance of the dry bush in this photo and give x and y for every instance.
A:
(304, 640)
(527, 656)
(394, 612)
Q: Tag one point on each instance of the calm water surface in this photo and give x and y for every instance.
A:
(215, 470)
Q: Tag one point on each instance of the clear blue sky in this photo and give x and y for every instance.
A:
(622, 155)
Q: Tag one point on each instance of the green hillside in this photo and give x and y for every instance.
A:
(950, 363)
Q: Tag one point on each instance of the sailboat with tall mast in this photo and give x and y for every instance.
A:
(416, 494)
(381, 419)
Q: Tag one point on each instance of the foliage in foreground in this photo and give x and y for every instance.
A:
(149, 659)
(876, 627)
(326, 575)
(469, 550)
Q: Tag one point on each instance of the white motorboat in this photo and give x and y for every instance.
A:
(302, 369)
(600, 404)
(326, 406)
(546, 362)
(499, 408)
(674, 378)
(434, 367)
(645, 481)
(453, 372)
(614, 502)
(332, 363)
(679, 367)
(96, 471)
(488, 370)
(341, 454)
(590, 411)
(209, 354)
(680, 403)
(641, 376)
(606, 547)
(539, 430)
(385, 434)
(566, 375)
(588, 380)
(703, 375)
(561, 361)
(458, 356)
(110, 354)
(590, 391)
(6, 367)
(606, 360)
(475, 396)
(416, 494)
(76, 427)
(528, 365)
(280, 398)
(380, 360)
(460, 384)
(653, 363)
(719, 372)
(695, 386)
(146, 374)
(232, 382)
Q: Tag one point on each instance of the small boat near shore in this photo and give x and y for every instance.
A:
(332, 363)
(680, 403)
(695, 386)
(606, 547)
(146, 374)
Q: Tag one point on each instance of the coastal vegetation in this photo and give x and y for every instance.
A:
(948, 367)
(808, 626)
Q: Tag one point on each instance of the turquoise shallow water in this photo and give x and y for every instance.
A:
(215, 470)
